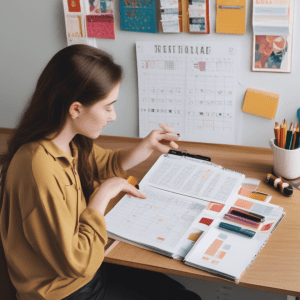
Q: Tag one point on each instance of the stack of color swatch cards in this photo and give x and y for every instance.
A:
(87, 19)
(198, 12)
(185, 16)
(171, 18)
(197, 212)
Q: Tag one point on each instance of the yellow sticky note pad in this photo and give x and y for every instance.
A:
(231, 16)
(260, 103)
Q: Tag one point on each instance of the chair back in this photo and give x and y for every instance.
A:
(7, 290)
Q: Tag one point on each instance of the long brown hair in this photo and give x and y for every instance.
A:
(76, 73)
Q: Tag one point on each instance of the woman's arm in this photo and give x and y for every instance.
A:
(133, 156)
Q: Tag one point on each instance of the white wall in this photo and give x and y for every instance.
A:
(33, 31)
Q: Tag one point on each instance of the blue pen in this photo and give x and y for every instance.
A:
(237, 229)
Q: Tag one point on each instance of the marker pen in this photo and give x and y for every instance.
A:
(241, 221)
(247, 215)
(237, 229)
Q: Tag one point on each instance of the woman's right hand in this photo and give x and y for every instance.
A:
(109, 189)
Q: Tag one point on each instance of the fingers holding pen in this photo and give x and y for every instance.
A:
(166, 128)
(168, 136)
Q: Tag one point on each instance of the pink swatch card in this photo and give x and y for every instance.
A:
(100, 26)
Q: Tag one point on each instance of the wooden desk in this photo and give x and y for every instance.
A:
(277, 267)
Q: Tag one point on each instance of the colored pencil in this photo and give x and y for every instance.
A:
(281, 135)
(289, 137)
(277, 133)
(295, 135)
(284, 133)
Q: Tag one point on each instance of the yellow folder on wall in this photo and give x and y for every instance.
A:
(231, 16)
(260, 103)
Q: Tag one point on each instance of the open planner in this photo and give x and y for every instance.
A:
(195, 212)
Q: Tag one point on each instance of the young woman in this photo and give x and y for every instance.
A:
(56, 184)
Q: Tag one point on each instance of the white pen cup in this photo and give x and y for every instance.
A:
(286, 162)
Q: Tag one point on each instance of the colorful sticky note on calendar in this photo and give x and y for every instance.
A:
(138, 15)
(100, 26)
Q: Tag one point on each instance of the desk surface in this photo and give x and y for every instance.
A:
(277, 267)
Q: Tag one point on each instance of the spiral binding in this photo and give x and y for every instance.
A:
(263, 93)
(229, 170)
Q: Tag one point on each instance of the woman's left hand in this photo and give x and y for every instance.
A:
(160, 139)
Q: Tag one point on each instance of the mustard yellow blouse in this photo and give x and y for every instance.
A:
(53, 242)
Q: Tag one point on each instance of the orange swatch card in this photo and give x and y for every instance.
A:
(231, 16)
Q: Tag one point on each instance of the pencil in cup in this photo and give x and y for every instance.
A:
(284, 133)
(289, 137)
(296, 139)
(294, 136)
(277, 133)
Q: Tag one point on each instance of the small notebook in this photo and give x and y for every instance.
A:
(231, 16)
(260, 103)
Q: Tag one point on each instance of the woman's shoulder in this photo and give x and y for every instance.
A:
(31, 172)
(31, 160)
(30, 153)
(33, 166)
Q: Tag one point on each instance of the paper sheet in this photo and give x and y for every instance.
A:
(224, 252)
(159, 221)
(189, 86)
(198, 179)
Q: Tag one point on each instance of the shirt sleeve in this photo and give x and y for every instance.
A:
(72, 249)
(108, 163)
